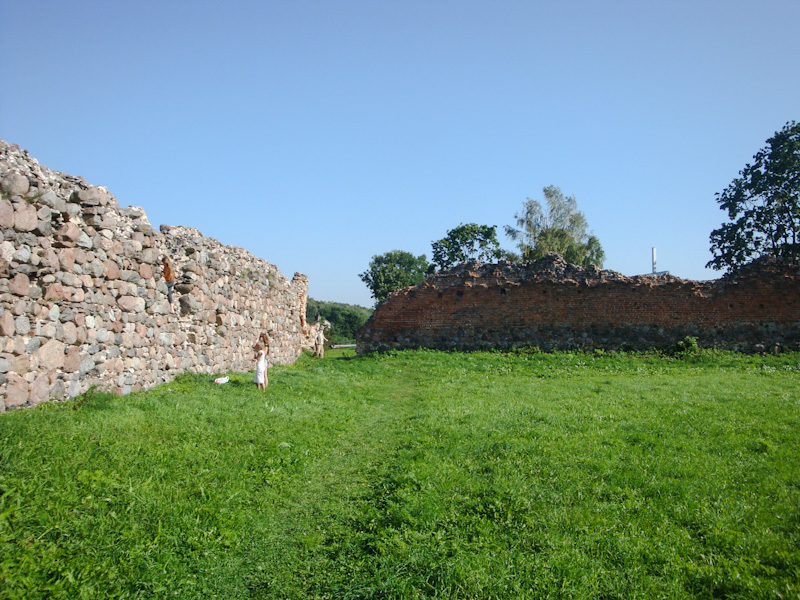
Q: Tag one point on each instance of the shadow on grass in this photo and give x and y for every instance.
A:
(93, 398)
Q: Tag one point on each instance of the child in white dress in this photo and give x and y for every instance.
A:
(261, 369)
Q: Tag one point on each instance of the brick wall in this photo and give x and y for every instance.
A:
(556, 306)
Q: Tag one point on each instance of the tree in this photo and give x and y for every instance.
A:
(345, 319)
(560, 229)
(763, 205)
(393, 271)
(467, 242)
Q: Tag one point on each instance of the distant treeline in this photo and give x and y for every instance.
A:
(345, 319)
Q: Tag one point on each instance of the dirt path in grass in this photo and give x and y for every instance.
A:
(318, 522)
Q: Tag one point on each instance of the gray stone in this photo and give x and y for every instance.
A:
(33, 345)
(84, 241)
(71, 210)
(74, 389)
(14, 184)
(22, 325)
(87, 364)
(49, 199)
(22, 255)
(189, 305)
(54, 313)
(44, 213)
(43, 228)
(96, 268)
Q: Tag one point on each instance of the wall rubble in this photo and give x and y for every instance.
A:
(556, 306)
(82, 300)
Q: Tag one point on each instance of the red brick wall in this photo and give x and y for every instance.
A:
(557, 306)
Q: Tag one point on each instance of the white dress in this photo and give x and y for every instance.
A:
(261, 368)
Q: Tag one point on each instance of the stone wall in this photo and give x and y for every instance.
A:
(82, 300)
(556, 306)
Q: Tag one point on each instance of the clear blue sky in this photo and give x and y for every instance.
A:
(316, 134)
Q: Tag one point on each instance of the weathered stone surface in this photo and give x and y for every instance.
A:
(22, 325)
(14, 184)
(22, 254)
(51, 356)
(25, 218)
(39, 390)
(20, 363)
(7, 250)
(72, 210)
(16, 391)
(66, 258)
(69, 333)
(189, 305)
(111, 269)
(68, 232)
(90, 197)
(131, 303)
(83, 302)
(49, 199)
(86, 364)
(19, 285)
(84, 241)
(72, 360)
(6, 213)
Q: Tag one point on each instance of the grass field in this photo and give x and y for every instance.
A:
(416, 475)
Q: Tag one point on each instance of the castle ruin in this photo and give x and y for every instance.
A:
(553, 305)
(83, 302)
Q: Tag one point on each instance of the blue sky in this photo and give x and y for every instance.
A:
(316, 134)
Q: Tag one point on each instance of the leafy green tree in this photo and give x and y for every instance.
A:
(393, 271)
(345, 319)
(560, 228)
(467, 242)
(763, 205)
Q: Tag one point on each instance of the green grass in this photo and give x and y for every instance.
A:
(416, 475)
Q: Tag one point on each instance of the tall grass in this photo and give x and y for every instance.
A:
(416, 475)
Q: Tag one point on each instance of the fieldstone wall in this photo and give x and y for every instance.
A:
(82, 300)
(556, 306)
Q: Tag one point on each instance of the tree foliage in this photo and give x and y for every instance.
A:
(467, 242)
(763, 205)
(559, 228)
(345, 319)
(393, 271)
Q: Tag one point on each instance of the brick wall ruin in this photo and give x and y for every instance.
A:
(556, 306)
(82, 300)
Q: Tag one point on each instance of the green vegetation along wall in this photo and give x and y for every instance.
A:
(345, 319)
